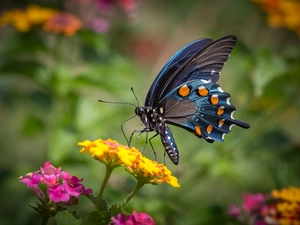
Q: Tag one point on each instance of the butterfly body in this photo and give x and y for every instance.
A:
(186, 94)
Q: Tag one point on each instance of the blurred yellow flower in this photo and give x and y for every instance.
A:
(291, 194)
(113, 154)
(288, 205)
(33, 16)
(24, 19)
(282, 13)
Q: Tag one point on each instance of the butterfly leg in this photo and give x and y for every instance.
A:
(152, 145)
(136, 131)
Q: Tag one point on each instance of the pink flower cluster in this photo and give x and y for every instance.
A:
(134, 219)
(60, 186)
(280, 207)
(252, 206)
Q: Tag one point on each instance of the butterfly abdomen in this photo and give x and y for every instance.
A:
(170, 145)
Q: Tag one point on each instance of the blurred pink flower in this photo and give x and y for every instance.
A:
(99, 25)
(134, 219)
(107, 6)
(252, 201)
(234, 211)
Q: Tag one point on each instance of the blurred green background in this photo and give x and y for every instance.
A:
(50, 84)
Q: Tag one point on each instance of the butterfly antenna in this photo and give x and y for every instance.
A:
(135, 97)
(124, 103)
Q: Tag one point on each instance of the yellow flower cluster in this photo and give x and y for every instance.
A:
(24, 20)
(49, 19)
(282, 13)
(288, 205)
(114, 154)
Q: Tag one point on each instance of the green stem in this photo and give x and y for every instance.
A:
(104, 183)
(138, 186)
(44, 219)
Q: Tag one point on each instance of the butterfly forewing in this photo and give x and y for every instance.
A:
(204, 61)
(177, 60)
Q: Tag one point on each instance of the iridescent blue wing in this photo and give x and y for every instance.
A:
(201, 59)
(178, 59)
(201, 107)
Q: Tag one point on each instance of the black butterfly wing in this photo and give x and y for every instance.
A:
(201, 107)
(158, 87)
(201, 59)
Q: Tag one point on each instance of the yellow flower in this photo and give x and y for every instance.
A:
(23, 19)
(291, 194)
(288, 205)
(110, 152)
(114, 154)
(51, 20)
(148, 171)
(282, 13)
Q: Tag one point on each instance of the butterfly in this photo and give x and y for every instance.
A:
(185, 93)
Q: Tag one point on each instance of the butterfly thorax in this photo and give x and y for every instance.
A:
(151, 119)
(154, 121)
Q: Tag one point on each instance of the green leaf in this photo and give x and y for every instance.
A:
(103, 205)
(268, 67)
(96, 217)
(66, 218)
(114, 210)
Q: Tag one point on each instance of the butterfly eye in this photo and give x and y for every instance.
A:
(139, 111)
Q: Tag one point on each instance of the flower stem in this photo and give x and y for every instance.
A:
(104, 183)
(44, 219)
(138, 186)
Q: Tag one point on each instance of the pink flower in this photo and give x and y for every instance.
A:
(134, 219)
(234, 211)
(99, 25)
(252, 202)
(60, 186)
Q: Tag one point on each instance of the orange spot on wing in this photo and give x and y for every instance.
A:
(184, 91)
(209, 128)
(220, 110)
(214, 99)
(221, 122)
(202, 91)
(198, 130)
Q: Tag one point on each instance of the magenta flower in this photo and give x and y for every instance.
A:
(234, 211)
(134, 219)
(60, 186)
(252, 202)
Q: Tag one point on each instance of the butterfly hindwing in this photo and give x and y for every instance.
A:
(202, 107)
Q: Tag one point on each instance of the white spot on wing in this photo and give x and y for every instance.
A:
(161, 109)
(220, 89)
(230, 127)
(231, 115)
(228, 101)
(223, 135)
(205, 81)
